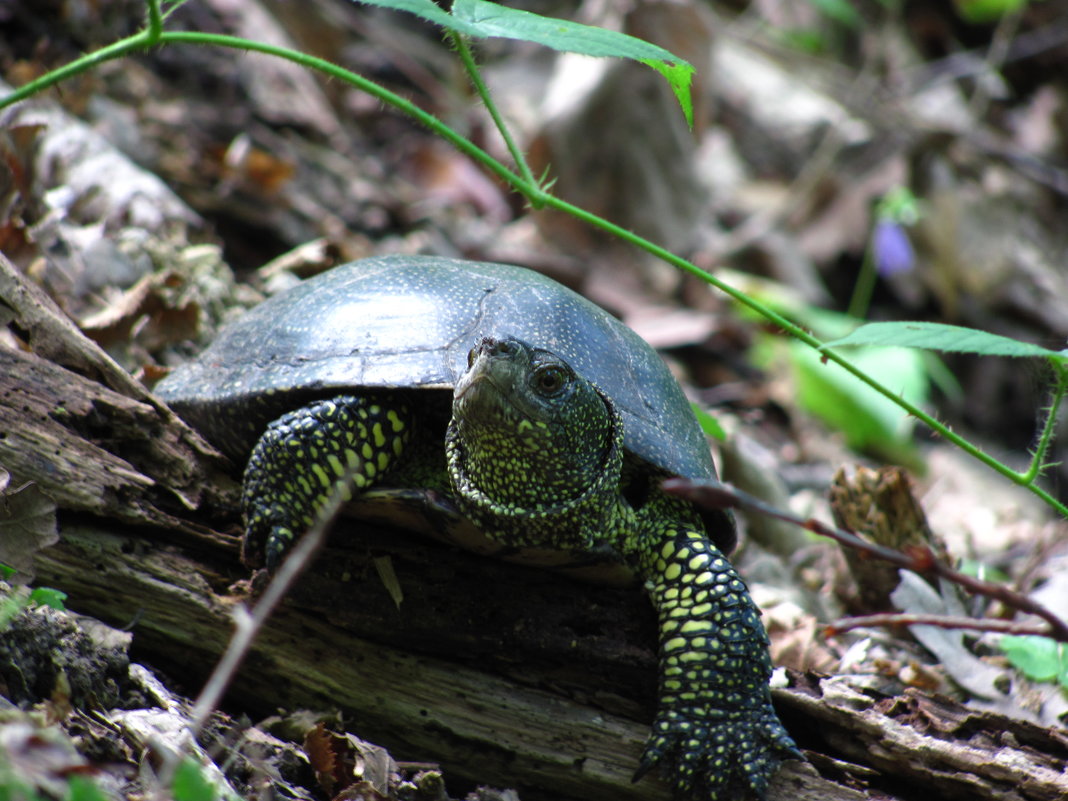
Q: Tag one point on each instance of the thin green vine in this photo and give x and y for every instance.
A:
(1038, 458)
(463, 49)
(523, 181)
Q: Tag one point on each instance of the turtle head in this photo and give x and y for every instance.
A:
(511, 385)
(532, 432)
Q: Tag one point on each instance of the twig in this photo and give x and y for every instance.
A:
(248, 624)
(941, 621)
(994, 60)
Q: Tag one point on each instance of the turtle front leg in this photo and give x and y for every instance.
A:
(716, 735)
(306, 456)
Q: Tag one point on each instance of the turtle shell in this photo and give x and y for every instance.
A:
(408, 323)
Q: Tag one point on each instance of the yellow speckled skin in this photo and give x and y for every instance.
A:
(715, 730)
(535, 456)
(348, 443)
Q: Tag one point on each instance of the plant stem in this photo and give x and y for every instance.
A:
(155, 22)
(464, 145)
(463, 49)
(865, 286)
(803, 335)
(1046, 437)
(142, 40)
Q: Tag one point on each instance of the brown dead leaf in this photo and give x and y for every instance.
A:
(665, 327)
(279, 90)
(17, 145)
(13, 237)
(923, 677)
(146, 311)
(448, 178)
(27, 525)
(797, 640)
(253, 167)
(41, 758)
(59, 706)
(321, 748)
(346, 767)
(303, 261)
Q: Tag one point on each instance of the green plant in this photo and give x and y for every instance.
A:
(988, 11)
(1038, 658)
(20, 598)
(889, 252)
(82, 788)
(190, 783)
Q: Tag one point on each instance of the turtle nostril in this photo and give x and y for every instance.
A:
(496, 347)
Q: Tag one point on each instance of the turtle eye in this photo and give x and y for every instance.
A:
(550, 380)
(471, 355)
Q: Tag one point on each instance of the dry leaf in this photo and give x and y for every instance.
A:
(27, 524)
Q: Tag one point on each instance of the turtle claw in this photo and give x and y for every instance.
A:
(717, 760)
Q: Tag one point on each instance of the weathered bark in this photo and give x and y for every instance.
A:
(502, 674)
(419, 701)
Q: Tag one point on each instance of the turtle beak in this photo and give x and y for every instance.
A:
(479, 386)
(468, 387)
(472, 385)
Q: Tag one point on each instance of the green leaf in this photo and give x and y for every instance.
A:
(709, 424)
(1038, 658)
(899, 205)
(939, 336)
(46, 596)
(803, 40)
(489, 19)
(987, 10)
(981, 570)
(426, 9)
(82, 788)
(11, 605)
(869, 420)
(483, 19)
(839, 10)
(6, 571)
(190, 783)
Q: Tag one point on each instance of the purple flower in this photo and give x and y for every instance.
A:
(893, 251)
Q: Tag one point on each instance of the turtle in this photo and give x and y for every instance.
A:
(545, 422)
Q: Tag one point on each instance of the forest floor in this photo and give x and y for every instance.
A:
(154, 198)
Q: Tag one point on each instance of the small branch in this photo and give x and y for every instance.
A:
(714, 494)
(248, 624)
(140, 41)
(941, 621)
(994, 61)
(804, 336)
(436, 126)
